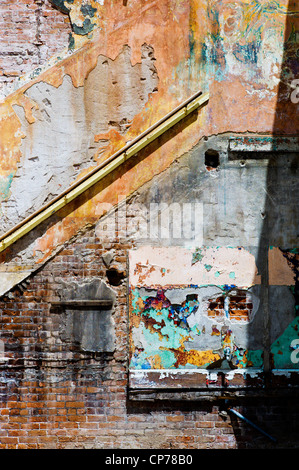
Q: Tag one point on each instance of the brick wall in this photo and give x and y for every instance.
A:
(240, 306)
(56, 396)
(31, 32)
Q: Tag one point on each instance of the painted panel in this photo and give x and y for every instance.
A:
(284, 284)
(200, 308)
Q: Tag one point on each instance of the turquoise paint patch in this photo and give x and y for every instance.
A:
(167, 359)
(284, 354)
(217, 274)
(60, 4)
(160, 339)
(5, 186)
(208, 267)
(85, 29)
(71, 41)
(232, 275)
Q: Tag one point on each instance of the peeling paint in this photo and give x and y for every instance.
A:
(234, 51)
(198, 325)
(162, 325)
(190, 269)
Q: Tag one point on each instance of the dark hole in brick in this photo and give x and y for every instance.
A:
(114, 276)
(211, 159)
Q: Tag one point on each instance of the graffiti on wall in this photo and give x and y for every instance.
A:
(200, 308)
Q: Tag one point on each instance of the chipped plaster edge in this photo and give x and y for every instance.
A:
(10, 279)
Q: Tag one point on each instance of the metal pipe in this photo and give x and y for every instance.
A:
(235, 412)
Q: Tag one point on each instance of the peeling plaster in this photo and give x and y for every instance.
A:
(149, 261)
(72, 118)
(176, 324)
(217, 48)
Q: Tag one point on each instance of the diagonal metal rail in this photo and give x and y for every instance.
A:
(103, 169)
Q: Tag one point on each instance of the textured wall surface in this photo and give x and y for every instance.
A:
(128, 315)
(31, 33)
(198, 306)
(248, 93)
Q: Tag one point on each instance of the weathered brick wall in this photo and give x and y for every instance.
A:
(54, 395)
(31, 32)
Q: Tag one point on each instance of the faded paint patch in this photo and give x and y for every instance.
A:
(178, 312)
(185, 266)
(71, 118)
(206, 325)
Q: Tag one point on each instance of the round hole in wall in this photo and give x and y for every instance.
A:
(115, 276)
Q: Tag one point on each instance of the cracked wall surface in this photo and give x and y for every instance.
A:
(77, 113)
(215, 43)
(71, 118)
(172, 284)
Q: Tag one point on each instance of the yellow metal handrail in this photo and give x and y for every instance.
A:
(102, 170)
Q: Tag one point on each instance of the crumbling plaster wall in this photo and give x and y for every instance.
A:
(218, 257)
(70, 118)
(219, 48)
(74, 395)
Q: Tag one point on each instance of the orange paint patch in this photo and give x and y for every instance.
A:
(194, 357)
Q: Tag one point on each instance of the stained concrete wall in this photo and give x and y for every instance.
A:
(189, 302)
(230, 170)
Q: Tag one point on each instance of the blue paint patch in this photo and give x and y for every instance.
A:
(247, 53)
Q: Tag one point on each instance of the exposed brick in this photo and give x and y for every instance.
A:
(30, 34)
(79, 400)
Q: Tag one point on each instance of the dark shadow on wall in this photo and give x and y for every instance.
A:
(280, 226)
(276, 411)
